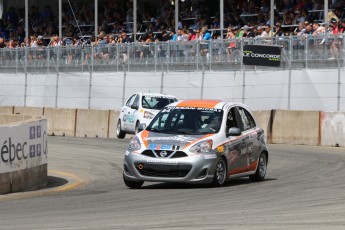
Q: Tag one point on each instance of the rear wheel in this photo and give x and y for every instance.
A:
(260, 172)
(132, 184)
(220, 173)
(119, 132)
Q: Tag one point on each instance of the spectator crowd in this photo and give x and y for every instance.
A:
(198, 20)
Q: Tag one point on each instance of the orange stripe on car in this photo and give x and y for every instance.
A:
(186, 146)
(144, 137)
(199, 103)
(251, 167)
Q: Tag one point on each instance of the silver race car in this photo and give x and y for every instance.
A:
(197, 141)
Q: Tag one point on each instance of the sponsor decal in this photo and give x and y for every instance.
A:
(23, 146)
(262, 55)
(13, 151)
(248, 149)
(168, 109)
(161, 161)
(253, 135)
(179, 138)
(163, 147)
(213, 156)
(220, 149)
(128, 118)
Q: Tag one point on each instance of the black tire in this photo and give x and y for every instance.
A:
(136, 127)
(119, 132)
(220, 173)
(261, 170)
(132, 184)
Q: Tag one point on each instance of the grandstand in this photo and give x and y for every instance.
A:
(81, 70)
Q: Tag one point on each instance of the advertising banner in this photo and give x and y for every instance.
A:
(262, 55)
(23, 146)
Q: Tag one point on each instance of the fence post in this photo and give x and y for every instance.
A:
(290, 70)
(124, 86)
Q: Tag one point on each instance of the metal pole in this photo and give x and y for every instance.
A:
(221, 18)
(325, 13)
(176, 16)
(272, 16)
(60, 19)
(134, 20)
(96, 19)
(26, 22)
(26, 48)
(90, 91)
(339, 86)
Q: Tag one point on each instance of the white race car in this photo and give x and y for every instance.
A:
(140, 108)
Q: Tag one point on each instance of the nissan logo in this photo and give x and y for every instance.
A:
(163, 153)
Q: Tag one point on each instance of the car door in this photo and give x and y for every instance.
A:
(126, 113)
(133, 112)
(250, 139)
(237, 161)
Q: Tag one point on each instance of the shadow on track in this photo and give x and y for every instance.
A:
(233, 182)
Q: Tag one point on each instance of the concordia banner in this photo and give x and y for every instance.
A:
(262, 55)
(23, 146)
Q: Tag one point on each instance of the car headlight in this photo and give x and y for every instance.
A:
(134, 144)
(202, 147)
(148, 115)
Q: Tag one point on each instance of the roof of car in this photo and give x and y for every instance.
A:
(157, 95)
(201, 103)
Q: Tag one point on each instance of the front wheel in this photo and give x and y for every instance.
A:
(132, 184)
(119, 132)
(136, 127)
(260, 172)
(220, 173)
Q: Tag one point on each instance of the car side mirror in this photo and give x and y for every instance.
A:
(141, 127)
(233, 131)
(134, 106)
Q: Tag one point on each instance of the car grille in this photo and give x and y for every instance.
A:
(169, 153)
(163, 170)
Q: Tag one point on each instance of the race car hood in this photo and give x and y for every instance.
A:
(163, 141)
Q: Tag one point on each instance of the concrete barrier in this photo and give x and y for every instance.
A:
(333, 129)
(7, 110)
(92, 123)
(263, 118)
(281, 126)
(35, 111)
(61, 122)
(295, 127)
(23, 161)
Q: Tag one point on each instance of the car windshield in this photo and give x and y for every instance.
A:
(156, 102)
(182, 120)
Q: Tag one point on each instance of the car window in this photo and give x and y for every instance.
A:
(156, 102)
(130, 100)
(136, 101)
(247, 120)
(187, 120)
(231, 119)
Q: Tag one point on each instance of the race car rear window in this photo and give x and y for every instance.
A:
(156, 102)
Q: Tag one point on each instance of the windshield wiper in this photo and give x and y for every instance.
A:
(154, 130)
(185, 131)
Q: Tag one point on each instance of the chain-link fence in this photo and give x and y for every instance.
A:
(326, 51)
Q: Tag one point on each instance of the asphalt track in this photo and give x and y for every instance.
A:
(304, 189)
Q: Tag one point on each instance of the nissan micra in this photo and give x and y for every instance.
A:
(197, 141)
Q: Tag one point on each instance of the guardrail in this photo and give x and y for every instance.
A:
(297, 52)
